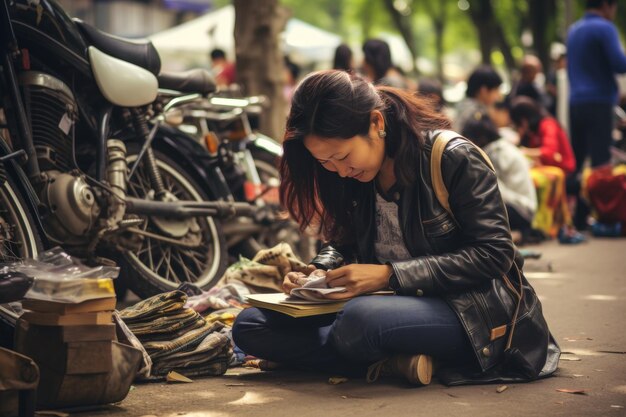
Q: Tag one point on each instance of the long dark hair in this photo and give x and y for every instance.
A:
(343, 58)
(525, 108)
(335, 104)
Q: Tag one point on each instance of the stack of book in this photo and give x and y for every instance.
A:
(69, 338)
(71, 342)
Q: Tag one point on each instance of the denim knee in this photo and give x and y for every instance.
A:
(353, 335)
(248, 321)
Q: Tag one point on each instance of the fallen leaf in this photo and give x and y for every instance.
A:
(173, 376)
(618, 352)
(344, 396)
(572, 359)
(501, 389)
(617, 406)
(572, 391)
(578, 375)
(334, 380)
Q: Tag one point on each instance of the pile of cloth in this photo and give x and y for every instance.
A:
(190, 330)
(177, 338)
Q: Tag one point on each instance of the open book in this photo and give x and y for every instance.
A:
(307, 300)
(294, 307)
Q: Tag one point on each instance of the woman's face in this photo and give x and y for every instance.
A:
(488, 96)
(359, 157)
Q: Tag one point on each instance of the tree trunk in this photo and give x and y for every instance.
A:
(505, 48)
(260, 65)
(483, 17)
(439, 25)
(438, 13)
(403, 24)
(542, 18)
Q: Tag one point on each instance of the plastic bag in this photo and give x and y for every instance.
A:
(60, 277)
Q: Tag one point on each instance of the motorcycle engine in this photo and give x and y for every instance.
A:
(72, 207)
(53, 112)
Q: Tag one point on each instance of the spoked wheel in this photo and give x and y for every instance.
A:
(161, 264)
(287, 230)
(19, 237)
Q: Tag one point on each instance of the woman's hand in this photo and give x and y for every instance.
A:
(358, 279)
(289, 282)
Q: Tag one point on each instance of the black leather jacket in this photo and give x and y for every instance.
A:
(462, 259)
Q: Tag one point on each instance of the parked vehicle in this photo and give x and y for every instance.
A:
(249, 162)
(86, 163)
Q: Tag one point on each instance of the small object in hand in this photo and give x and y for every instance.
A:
(501, 388)
(303, 279)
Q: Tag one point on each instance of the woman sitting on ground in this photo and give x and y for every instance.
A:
(356, 166)
(545, 142)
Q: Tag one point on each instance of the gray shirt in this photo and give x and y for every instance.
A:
(389, 245)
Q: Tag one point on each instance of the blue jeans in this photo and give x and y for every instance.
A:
(368, 329)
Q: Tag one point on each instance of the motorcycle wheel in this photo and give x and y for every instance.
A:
(158, 266)
(19, 236)
(19, 239)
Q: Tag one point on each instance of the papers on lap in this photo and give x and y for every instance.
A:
(315, 288)
(298, 307)
(294, 307)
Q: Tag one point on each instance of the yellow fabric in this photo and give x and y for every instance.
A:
(552, 209)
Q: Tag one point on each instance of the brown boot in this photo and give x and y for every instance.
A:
(417, 369)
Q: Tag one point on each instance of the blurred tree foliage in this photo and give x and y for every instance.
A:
(502, 30)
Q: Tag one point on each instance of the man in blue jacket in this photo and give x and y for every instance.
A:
(594, 56)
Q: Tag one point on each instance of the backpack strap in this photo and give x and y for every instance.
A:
(442, 137)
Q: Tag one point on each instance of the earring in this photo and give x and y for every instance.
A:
(382, 133)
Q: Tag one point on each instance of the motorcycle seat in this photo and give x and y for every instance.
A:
(193, 81)
(140, 53)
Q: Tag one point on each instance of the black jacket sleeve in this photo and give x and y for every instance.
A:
(486, 252)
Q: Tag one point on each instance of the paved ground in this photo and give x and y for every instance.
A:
(584, 301)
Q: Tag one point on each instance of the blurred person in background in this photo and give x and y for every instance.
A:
(512, 170)
(378, 67)
(292, 72)
(343, 60)
(483, 90)
(500, 115)
(557, 87)
(546, 144)
(224, 71)
(541, 137)
(529, 84)
(595, 56)
(432, 90)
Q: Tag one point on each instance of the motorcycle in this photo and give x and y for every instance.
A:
(87, 163)
(249, 161)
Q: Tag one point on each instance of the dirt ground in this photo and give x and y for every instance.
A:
(583, 290)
